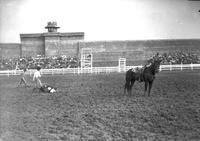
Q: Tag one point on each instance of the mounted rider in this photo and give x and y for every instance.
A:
(148, 64)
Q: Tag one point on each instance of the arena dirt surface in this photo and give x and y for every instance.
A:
(93, 107)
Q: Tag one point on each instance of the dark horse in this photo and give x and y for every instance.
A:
(147, 75)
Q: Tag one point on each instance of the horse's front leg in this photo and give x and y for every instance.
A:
(150, 86)
(145, 87)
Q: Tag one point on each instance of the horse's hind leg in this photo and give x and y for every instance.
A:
(145, 87)
(131, 86)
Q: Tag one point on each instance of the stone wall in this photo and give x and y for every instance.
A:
(10, 50)
(62, 44)
(136, 52)
(50, 44)
(32, 44)
(105, 53)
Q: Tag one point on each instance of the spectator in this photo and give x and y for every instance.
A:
(36, 78)
(23, 80)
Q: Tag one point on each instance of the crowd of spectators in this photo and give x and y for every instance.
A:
(44, 62)
(73, 62)
(179, 57)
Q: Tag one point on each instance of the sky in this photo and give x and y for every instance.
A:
(102, 19)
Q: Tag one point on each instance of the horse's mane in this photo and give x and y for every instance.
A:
(153, 68)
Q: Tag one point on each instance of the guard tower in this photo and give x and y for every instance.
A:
(50, 43)
(52, 27)
(86, 60)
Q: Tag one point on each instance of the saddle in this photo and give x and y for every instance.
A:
(139, 73)
(142, 71)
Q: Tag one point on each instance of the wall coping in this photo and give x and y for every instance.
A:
(47, 34)
(68, 34)
(143, 40)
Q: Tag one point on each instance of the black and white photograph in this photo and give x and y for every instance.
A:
(99, 70)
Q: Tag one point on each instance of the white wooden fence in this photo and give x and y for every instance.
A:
(97, 70)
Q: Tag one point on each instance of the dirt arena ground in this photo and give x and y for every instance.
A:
(93, 107)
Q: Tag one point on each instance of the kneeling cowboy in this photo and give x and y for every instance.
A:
(149, 62)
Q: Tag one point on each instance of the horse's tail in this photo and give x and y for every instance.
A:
(130, 75)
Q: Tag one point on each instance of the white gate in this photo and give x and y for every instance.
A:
(86, 60)
(122, 64)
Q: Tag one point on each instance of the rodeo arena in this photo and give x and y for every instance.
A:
(58, 87)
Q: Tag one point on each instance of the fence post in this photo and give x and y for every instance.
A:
(191, 66)
(15, 72)
(91, 70)
(170, 66)
(160, 68)
(181, 66)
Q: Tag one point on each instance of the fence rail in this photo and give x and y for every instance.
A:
(100, 69)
